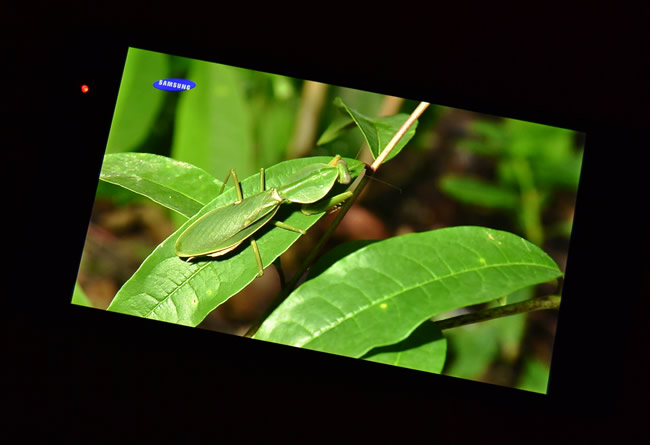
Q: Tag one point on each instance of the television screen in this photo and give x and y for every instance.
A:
(344, 221)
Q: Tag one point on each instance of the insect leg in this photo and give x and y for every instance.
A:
(258, 258)
(326, 204)
(262, 180)
(344, 172)
(288, 227)
(233, 173)
(330, 203)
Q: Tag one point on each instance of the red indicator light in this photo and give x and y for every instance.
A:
(84, 88)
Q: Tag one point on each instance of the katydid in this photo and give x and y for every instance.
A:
(223, 229)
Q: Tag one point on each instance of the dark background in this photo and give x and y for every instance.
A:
(72, 374)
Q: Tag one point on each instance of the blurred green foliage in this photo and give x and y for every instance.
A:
(533, 161)
(475, 347)
(534, 376)
(79, 296)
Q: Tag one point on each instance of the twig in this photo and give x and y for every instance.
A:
(400, 133)
(534, 304)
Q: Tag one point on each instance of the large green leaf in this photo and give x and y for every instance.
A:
(377, 131)
(425, 350)
(170, 289)
(213, 127)
(138, 102)
(176, 185)
(378, 295)
(335, 254)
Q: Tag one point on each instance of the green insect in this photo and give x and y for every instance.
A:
(223, 229)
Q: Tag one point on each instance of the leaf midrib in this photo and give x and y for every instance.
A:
(150, 181)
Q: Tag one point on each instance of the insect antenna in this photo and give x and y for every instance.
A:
(399, 189)
(363, 147)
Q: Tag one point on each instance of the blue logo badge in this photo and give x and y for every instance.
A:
(174, 84)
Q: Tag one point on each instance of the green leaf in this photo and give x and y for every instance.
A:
(138, 102)
(79, 296)
(473, 191)
(176, 185)
(170, 289)
(379, 131)
(338, 252)
(338, 126)
(378, 295)
(347, 143)
(425, 350)
(213, 129)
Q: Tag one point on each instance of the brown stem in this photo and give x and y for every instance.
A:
(400, 133)
(534, 304)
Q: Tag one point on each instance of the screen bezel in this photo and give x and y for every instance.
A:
(571, 383)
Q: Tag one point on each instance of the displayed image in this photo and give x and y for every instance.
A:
(333, 219)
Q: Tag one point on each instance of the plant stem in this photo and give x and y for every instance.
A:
(312, 100)
(534, 304)
(286, 290)
(400, 133)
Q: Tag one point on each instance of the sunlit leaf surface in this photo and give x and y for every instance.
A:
(379, 294)
(176, 185)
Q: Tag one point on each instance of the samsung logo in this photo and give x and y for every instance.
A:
(174, 84)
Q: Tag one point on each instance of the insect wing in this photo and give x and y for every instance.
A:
(242, 235)
(223, 228)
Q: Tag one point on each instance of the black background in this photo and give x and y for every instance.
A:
(85, 374)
